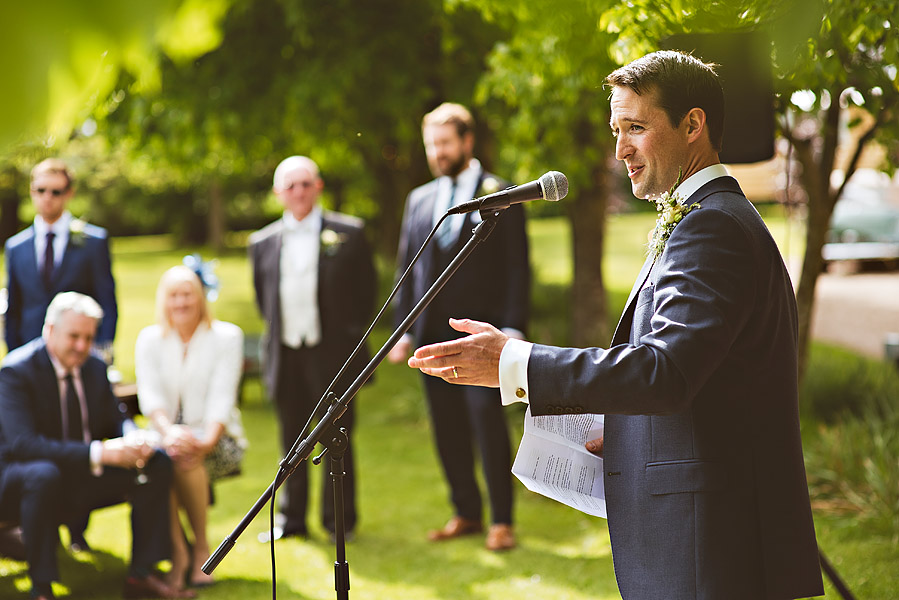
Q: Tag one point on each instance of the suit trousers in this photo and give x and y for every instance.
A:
(461, 414)
(150, 542)
(302, 379)
(30, 494)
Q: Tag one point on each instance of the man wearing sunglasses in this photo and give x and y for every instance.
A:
(58, 253)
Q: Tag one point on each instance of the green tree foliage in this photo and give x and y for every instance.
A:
(59, 58)
(343, 82)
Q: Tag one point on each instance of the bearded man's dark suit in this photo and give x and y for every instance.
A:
(346, 294)
(85, 268)
(55, 473)
(704, 477)
(492, 285)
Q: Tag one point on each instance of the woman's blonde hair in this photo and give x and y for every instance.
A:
(171, 278)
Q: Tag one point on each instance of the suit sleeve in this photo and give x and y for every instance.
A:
(686, 324)
(224, 379)
(148, 372)
(104, 290)
(258, 281)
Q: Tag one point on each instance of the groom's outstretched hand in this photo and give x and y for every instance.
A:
(470, 360)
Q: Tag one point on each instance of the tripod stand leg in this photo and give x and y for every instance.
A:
(834, 577)
(341, 566)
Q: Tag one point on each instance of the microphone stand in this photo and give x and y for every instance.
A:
(334, 438)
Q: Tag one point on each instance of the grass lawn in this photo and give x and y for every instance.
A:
(563, 554)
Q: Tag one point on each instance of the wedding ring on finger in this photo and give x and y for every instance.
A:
(455, 373)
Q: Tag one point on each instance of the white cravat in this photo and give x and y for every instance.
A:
(298, 287)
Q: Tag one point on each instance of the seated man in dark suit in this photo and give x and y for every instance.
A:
(63, 450)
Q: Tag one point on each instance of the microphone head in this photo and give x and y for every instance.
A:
(555, 186)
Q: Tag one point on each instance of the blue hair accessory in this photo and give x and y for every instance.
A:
(205, 270)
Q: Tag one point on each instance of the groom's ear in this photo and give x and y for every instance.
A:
(696, 126)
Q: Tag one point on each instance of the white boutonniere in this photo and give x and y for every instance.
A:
(331, 241)
(672, 208)
(76, 232)
(489, 185)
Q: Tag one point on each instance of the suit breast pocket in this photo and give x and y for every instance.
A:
(685, 476)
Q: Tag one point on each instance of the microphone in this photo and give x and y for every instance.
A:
(553, 186)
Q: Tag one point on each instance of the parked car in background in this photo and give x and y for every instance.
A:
(865, 221)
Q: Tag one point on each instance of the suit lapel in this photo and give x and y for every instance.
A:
(50, 391)
(624, 323)
(70, 256)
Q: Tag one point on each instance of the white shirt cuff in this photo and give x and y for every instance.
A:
(513, 371)
(97, 458)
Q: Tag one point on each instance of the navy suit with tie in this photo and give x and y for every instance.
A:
(492, 285)
(46, 478)
(85, 268)
(705, 483)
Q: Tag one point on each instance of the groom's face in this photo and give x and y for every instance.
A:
(653, 150)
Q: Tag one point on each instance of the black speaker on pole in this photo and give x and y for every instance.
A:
(744, 66)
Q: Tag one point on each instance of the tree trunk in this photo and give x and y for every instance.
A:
(216, 217)
(812, 265)
(9, 202)
(587, 215)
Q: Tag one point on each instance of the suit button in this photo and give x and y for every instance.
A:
(520, 393)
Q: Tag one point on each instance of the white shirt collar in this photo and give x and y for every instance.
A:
(60, 227)
(310, 222)
(691, 184)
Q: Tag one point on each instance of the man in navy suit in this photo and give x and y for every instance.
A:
(315, 288)
(494, 284)
(64, 452)
(704, 479)
(56, 254)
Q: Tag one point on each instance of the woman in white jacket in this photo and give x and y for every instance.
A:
(188, 369)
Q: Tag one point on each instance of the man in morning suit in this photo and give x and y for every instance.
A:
(493, 283)
(56, 254)
(64, 450)
(315, 288)
(704, 479)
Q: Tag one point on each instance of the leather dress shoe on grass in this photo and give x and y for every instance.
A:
(153, 587)
(456, 527)
(500, 537)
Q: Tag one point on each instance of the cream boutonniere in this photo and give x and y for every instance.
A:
(489, 185)
(331, 241)
(76, 232)
(672, 208)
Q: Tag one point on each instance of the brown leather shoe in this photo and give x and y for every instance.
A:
(456, 527)
(153, 587)
(500, 537)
